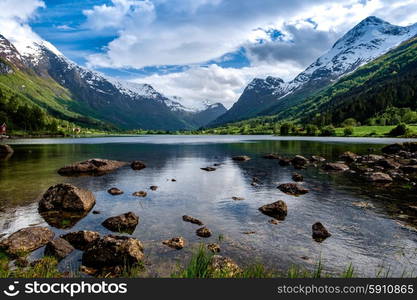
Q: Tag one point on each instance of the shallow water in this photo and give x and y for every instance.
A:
(367, 238)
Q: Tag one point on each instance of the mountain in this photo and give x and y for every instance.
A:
(366, 41)
(86, 97)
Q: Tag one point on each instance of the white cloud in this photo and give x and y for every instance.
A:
(213, 82)
(14, 18)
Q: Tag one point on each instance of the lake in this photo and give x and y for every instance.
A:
(373, 239)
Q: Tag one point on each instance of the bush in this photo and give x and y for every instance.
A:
(312, 130)
(351, 122)
(348, 131)
(286, 128)
(400, 130)
(328, 131)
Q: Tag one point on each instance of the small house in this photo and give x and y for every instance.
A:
(3, 129)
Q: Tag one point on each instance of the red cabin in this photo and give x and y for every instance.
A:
(3, 128)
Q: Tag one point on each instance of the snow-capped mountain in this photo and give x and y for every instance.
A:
(368, 40)
(121, 103)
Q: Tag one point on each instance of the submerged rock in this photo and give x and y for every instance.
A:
(223, 266)
(176, 242)
(336, 167)
(94, 166)
(140, 194)
(320, 232)
(62, 219)
(26, 240)
(123, 223)
(297, 177)
(378, 177)
(58, 248)
(208, 169)
(153, 187)
(284, 162)
(114, 191)
(276, 210)
(203, 232)
(299, 161)
(67, 197)
(349, 156)
(186, 218)
(111, 251)
(137, 165)
(81, 240)
(292, 189)
(241, 158)
(238, 198)
(215, 248)
(271, 156)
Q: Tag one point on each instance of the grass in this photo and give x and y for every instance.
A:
(372, 131)
(46, 267)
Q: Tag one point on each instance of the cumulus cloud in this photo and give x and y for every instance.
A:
(14, 18)
(213, 82)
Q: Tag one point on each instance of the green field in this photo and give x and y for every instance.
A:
(375, 131)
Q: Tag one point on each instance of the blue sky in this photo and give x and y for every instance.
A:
(196, 49)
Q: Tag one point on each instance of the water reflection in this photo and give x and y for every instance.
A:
(365, 237)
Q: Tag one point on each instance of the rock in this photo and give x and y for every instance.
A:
(58, 248)
(215, 248)
(223, 266)
(276, 210)
(378, 177)
(66, 197)
(238, 198)
(320, 233)
(393, 149)
(349, 157)
(26, 240)
(413, 162)
(96, 212)
(192, 220)
(173, 180)
(88, 271)
(81, 240)
(112, 251)
(203, 232)
(273, 221)
(336, 167)
(388, 163)
(292, 189)
(241, 158)
(284, 162)
(249, 232)
(176, 243)
(363, 204)
(410, 146)
(208, 169)
(153, 187)
(299, 161)
(409, 169)
(115, 191)
(5, 149)
(140, 194)
(94, 166)
(271, 156)
(137, 165)
(297, 177)
(316, 158)
(123, 223)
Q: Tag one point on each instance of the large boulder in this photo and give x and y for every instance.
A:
(81, 240)
(67, 197)
(58, 248)
(26, 240)
(123, 223)
(335, 167)
(111, 251)
(378, 177)
(320, 233)
(94, 166)
(292, 189)
(299, 161)
(277, 210)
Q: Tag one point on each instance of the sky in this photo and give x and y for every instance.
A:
(195, 49)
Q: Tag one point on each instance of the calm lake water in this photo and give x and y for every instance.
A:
(369, 238)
